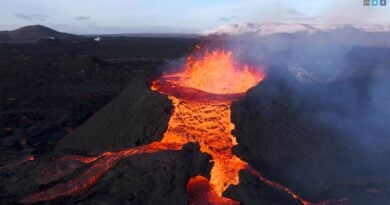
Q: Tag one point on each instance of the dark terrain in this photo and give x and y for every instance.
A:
(324, 140)
(321, 140)
(49, 88)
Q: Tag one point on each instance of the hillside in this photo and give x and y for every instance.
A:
(34, 32)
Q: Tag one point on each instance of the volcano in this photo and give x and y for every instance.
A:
(201, 114)
(192, 135)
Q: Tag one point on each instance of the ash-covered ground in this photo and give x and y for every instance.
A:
(325, 137)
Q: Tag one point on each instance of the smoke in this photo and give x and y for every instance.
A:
(341, 80)
(357, 75)
(321, 116)
(343, 73)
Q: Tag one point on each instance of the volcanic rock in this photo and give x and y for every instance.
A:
(155, 178)
(137, 116)
(284, 130)
(251, 190)
(158, 178)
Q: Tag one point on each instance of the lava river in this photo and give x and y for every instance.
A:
(201, 95)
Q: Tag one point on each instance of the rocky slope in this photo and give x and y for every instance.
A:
(292, 132)
(136, 117)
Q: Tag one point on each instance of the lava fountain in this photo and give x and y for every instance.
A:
(201, 95)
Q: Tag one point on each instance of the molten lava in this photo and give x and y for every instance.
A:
(216, 72)
(201, 94)
(204, 118)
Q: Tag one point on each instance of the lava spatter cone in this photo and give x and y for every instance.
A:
(201, 95)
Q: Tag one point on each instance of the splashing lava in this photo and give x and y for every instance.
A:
(201, 95)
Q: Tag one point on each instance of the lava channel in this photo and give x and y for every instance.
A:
(201, 94)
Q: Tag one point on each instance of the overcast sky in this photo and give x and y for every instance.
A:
(166, 16)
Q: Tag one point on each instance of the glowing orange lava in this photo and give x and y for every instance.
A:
(201, 94)
(216, 72)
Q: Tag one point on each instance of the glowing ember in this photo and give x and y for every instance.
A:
(19, 162)
(201, 95)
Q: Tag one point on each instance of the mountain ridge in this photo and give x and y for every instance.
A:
(34, 32)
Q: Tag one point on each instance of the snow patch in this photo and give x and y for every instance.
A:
(265, 29)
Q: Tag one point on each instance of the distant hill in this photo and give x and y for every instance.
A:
(34, 32)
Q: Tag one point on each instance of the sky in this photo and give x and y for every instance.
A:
(178, 16)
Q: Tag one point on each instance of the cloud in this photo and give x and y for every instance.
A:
(31, 17)
(92, 28)
(295, 15)
(293, 12)
(83, 18)
(227, 18)
(304, 18)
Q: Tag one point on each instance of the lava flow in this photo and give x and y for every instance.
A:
(201, 94)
